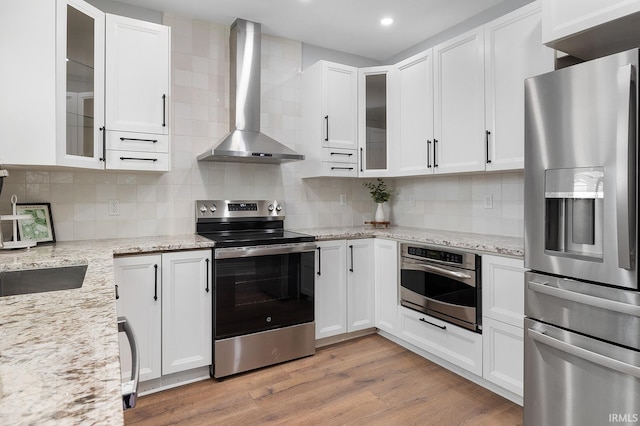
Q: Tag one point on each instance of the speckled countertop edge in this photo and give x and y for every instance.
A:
(59, 360)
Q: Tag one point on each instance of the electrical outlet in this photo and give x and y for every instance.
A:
(343, 199)
(488, 201)
(114, 207)
(412, 200)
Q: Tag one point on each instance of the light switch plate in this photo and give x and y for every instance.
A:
(412, 200)
(343, 199)
(488, 201)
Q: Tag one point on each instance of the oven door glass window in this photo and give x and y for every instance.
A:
(440, 288)
(264, 292)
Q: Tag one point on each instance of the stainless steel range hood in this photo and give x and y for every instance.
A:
(245, 143)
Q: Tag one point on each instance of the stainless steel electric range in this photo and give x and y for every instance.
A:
(263, 285)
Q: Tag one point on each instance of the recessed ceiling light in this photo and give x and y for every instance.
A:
(386, 21)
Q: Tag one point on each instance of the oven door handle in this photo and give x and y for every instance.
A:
(237, 252)
(441, 271)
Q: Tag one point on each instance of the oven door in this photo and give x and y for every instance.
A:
(263, 288)
(451, 294)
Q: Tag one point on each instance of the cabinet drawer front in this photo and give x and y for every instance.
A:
(339, 169)
(142, 161)
(140, 142)
(339, 155)
(451, 343)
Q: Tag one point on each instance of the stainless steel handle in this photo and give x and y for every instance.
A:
(428, 154)
(437, 270)
(585, 299)
(234, 253)
(326, 123)
(442, 327)
(587, 355)
(351, 250)
(130, 388)
(625, 167)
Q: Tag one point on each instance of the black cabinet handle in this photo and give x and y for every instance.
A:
(139, 159)
(361, 151)
(164, 110)
(155, 285)
(351, 249)
(435, 152)
(349, 154)
(319, 261)
(139, 140)
(117, 294)
(104, 143)
(326, 123)
(486, 134)
(207, 287)
(428, 154)
(442, 327)
(341, 168)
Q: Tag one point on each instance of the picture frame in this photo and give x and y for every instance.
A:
(40, 227)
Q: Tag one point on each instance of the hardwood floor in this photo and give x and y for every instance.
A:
(367, 381)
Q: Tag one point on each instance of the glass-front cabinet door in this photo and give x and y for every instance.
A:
(80, 84)
(373, 90)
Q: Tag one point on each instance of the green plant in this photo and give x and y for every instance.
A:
(379, 191)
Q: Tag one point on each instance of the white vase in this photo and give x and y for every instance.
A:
(380, 215)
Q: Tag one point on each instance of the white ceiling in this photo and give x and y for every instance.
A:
(351, 26)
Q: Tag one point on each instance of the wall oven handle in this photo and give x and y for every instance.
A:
(625, 176)
(441, 271)
(130, 388)
(207, 268)
(585, 299)
(234, 253)
(319, 261)
(351, 251)
(443, 327)
(585, 354)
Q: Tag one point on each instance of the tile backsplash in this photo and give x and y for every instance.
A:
(159, 204)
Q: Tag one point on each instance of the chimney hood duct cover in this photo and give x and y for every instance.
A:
(245, 143)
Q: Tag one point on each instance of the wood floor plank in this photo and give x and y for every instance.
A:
(368, 381)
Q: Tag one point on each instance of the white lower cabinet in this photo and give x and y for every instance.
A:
(386, 285)
(168, 300)
(344, 296)
(502, 322)
(454, 344)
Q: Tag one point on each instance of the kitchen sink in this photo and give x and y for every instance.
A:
(27, 281)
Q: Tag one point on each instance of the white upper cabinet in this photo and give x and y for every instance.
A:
(513, 52)
(137, 75)
(591, 28)
(330, 120)
(374, 93)
(459, 130)
(412, 152)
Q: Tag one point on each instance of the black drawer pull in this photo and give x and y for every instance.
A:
(117, 295)
(326, 120)
(139, 140)
(164, 110)
(104, 143)
(442, 327)
(139, 159)
(207, 288)
(319, 261)
(341, 168)
(155, 283)
(342, 153)
(487, 133)
(428, 154)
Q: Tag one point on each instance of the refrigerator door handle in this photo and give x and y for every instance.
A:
(585, 299)
(585, 354)
(625, 171)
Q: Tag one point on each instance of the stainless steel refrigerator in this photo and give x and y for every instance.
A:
(582, 331)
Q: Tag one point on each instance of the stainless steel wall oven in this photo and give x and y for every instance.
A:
(263, 285)
(445, 284)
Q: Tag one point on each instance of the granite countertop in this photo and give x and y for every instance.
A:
(59, 360)
(480, 243)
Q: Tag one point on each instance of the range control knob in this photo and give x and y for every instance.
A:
(270, 208)
(213, 208)
(278, 208)
(203, 209)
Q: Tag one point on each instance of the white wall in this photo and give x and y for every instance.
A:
(159, 204)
